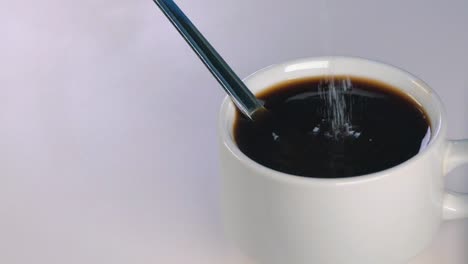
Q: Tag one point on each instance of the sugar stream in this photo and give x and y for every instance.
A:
(337, 112)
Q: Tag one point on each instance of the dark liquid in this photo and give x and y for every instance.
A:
(386, 127)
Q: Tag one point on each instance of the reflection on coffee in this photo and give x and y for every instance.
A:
(377, 128)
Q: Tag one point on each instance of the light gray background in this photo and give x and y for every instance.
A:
(108, 148)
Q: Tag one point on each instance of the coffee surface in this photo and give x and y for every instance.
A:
(384, 127)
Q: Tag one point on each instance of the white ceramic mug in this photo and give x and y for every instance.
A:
(384, 217)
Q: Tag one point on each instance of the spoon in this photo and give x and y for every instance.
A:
(232, 84)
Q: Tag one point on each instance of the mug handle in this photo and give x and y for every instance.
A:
(455, 204)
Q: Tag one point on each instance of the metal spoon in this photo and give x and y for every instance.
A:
(236, 89)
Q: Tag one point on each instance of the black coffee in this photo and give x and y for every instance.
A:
(304, 134)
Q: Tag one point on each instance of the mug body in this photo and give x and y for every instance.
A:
(383, 217)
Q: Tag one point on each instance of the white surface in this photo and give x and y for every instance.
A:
(385, 217)
(96, 95)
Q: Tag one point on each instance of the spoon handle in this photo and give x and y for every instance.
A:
(239, 93)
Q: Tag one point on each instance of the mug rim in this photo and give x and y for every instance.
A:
(234, 150)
